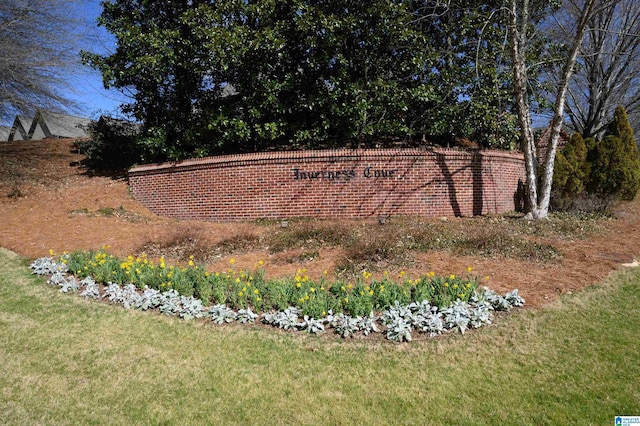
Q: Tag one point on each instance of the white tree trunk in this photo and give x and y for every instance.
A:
(538, 198)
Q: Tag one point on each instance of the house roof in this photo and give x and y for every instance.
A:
(4, 133)
(58, 125)
(20, 128)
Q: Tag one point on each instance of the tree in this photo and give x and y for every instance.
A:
(39, 44)
(571, 169)
(524, 15)
(615, 162)
(302, 72)
(608, 71)
(471, 77)
(307, 73)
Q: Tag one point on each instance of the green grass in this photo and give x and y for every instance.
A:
(69, 361)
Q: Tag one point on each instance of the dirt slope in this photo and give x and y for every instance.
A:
(49, 201)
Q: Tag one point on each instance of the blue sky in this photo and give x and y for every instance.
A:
(88, 90)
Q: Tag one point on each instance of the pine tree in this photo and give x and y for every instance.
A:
(571, 170)
(615, 161)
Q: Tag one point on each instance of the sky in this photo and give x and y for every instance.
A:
(88, 90)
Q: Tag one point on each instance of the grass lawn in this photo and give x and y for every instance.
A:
(70, 361)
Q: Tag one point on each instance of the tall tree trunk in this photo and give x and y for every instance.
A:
(538, 198)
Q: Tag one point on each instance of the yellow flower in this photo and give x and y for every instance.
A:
(346, 300)
(349, 286)
(260, 263)
(324, 314)
(486, 277)
(469, 269)
(51, 252)
(361, 293)
(232, 261)
(256, 291)
(370, 292)
(452, 276)
(446, 284)
(402, 274)
(297, 285)
(324, 272)
(313, 290)
(455, 286)
(343, 288)
(191, 263)
(240, 294)
(431, 274)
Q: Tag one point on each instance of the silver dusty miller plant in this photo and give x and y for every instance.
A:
(170, 302)
(149, 299)
(190, 308)
(246, 316)
(91, 288)
(287, 319)
(426, 318)
(457, 316)
(221, 314)
(368, 324)
(345, 325)
(47, 266)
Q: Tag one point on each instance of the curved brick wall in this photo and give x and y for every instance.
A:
(332, 183)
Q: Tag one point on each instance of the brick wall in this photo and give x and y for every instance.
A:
(332, 183)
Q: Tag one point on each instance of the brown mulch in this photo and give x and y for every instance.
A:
(48, 200)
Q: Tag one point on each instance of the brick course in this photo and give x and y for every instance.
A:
(332, 183)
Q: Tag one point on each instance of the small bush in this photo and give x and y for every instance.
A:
(112, 144)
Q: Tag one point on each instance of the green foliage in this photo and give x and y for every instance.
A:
(250, 289)
(588, 171)
(113, 144)
(615, 162)
(571, 170)
(232, 76)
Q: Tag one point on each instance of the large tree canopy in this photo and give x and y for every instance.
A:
(233, 75)
(607, 73)
(39, 45)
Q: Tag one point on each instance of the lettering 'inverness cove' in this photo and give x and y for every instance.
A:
(343, 175)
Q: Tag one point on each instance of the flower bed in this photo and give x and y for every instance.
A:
(430, 304)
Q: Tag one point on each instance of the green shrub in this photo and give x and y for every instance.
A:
(112, 144)
(592, 173)
(571, 170)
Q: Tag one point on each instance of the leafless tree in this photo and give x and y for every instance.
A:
(39, 45)
(521, 21)
(608, 72)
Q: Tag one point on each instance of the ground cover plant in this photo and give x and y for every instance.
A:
(68, 361)
(429, 304)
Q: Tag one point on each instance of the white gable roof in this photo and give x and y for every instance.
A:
(47, 124)
(20, 129)
(4, 133)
